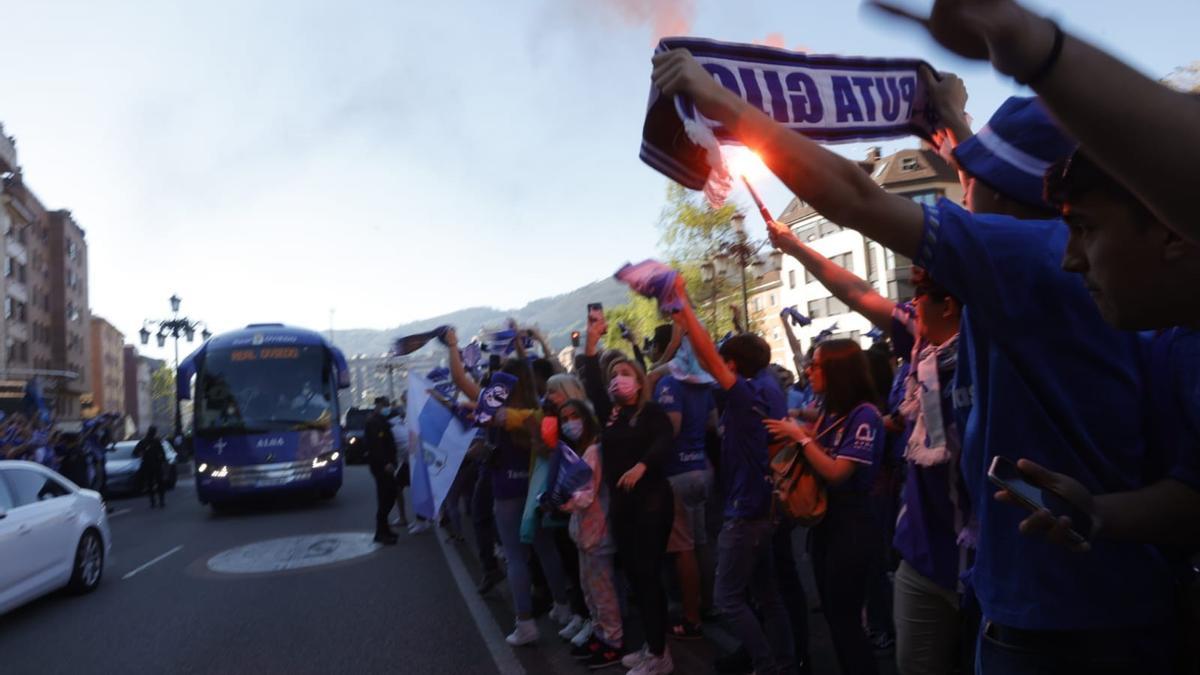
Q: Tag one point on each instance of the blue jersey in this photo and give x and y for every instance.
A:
(744, 442)
(1173, 358)
(1041, 375)
(694, 403)
(858, 437)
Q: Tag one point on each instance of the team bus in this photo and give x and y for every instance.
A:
(265, 413)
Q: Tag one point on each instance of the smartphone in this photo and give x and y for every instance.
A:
(595, 312)
(1004, 473)
(574, 338)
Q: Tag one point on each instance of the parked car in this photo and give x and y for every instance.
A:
(52, 534)
(124, 470)
(352, 432)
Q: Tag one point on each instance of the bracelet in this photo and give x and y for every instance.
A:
(1051, 59)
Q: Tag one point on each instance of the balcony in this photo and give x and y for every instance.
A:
(8, 152)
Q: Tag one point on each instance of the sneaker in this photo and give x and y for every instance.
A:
(585, 633)
(561, 614)
(418, 527)
(489, 581)
(605, 656)
(634, 659)
(572, 628)
(655, 665)
(686, 631)
(525, 633)
(585, 651)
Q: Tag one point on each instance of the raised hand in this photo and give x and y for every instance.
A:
(677, 72)
(780, 235)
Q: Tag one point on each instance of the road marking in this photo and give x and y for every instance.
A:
(144, 566)
(489, 630)
(122, 512)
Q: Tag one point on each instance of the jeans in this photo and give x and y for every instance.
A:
(844, 547)
(928, 624)
(508, 524)
(746, 559)
(792, 592)
(691, 491)
(1124, 651)
(484, 521)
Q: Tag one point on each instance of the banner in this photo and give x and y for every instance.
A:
(827, 98)
(411, 343)
(437, 444)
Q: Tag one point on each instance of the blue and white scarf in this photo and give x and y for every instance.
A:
(830, 99)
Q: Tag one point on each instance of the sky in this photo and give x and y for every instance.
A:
(372, 163)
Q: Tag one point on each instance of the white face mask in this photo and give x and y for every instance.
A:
(572, 429)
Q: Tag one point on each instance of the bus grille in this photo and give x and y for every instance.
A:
(266, 475)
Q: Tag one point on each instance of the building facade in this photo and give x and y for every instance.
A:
(44, 332)
(108, 367)
(919, 174)
(138, 398)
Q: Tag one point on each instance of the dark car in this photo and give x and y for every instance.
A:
(124, 477)
(352, 432)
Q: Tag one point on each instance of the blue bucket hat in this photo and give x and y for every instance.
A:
(1013, 151)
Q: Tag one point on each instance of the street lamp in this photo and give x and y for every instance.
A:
(739, 254)
(174, 328)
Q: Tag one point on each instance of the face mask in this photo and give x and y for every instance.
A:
(386, 412)
(622, 388)
(572, 429)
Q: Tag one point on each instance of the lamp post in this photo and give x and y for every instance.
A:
(741, 252)
(174, 327)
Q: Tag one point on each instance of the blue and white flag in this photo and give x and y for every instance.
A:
(437, 444)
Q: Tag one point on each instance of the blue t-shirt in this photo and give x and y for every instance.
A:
(693, 402)
(799, 398)
(510, 468)
(859, 437)
(1174, 422)
(744, 442)
(1041, 375)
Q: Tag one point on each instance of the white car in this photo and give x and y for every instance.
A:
(52, 534)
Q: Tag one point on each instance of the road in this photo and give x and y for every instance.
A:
(409, 608)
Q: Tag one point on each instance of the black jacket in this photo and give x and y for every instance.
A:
(151, 451)
(381, 445)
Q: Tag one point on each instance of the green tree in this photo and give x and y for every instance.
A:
(162, 383)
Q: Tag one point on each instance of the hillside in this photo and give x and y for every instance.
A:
(557, 316)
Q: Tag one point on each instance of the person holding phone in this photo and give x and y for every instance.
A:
(635, 444)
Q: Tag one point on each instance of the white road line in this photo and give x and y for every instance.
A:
(502, 655)
(144, 566)
(122, 512)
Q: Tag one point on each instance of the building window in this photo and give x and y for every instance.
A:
(871, 262)
(909, 164)
(757, 306)
(816, 308)
(8, 266)
(20, 273)
(837, 306)
(808, 277)
(72, 249)
(927, 197)
(791, 278)
(71, 279)
(8, 307)
(772, 299)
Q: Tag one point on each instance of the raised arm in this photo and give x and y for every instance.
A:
(593, 379)
(465, 383)
(1159, 138)
(702, 344)
(859, 294)
(794, 343)
(833, 185)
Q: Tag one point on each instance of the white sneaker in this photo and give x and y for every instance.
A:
(560, 614)
(572, 628)
(525, 633)
(418, 526)
(634, 659)
(584, 634)
(655, 665)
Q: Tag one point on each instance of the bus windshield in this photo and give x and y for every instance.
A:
(265, 388)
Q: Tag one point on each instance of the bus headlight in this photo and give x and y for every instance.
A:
(202, 468)
(353, 440)
(221, 472)
(322, 460)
